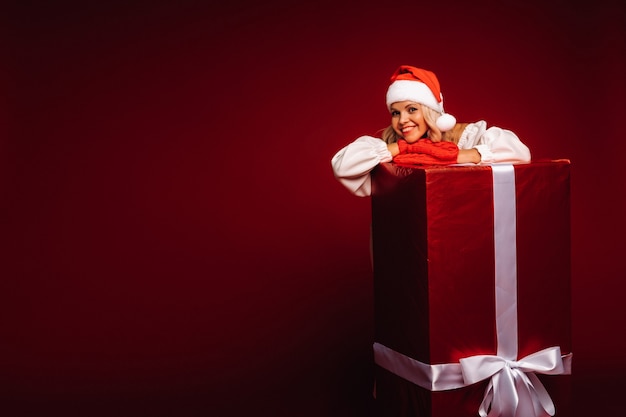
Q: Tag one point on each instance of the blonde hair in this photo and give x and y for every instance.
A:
(430, 117)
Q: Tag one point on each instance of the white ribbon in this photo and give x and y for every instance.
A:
(431, 377)
(513, 390)
(505, 256)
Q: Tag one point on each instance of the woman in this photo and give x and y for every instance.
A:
(422, 133)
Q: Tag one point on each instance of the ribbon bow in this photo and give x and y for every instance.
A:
(514, 390)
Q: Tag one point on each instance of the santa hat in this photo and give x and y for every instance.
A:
(420, 86)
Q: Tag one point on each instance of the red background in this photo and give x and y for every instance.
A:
(174, 242)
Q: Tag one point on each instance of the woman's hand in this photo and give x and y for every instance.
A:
(468, 155)
(426, 152)
(464, 156)
(393, 148)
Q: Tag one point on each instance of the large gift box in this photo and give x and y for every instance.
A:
(472, 289)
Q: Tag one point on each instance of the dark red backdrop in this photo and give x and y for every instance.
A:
(175, 243)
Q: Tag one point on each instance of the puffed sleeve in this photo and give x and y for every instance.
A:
(352, 164)
(494, 144)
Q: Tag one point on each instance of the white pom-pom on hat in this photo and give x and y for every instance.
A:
(445, 122)
(421, 86)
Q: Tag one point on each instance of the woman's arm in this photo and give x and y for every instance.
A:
(393, 149)
(468, 155)
(493, 144)
(353, 163)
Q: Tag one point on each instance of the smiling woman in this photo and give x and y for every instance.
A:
(421, 133)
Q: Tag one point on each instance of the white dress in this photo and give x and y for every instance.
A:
(353, 163)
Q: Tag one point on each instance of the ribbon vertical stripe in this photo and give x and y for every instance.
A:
(505, 250)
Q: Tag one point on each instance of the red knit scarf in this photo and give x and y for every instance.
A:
(426, 152)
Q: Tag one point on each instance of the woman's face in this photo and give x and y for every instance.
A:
(408, 121)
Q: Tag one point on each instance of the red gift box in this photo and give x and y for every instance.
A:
(472, 289)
